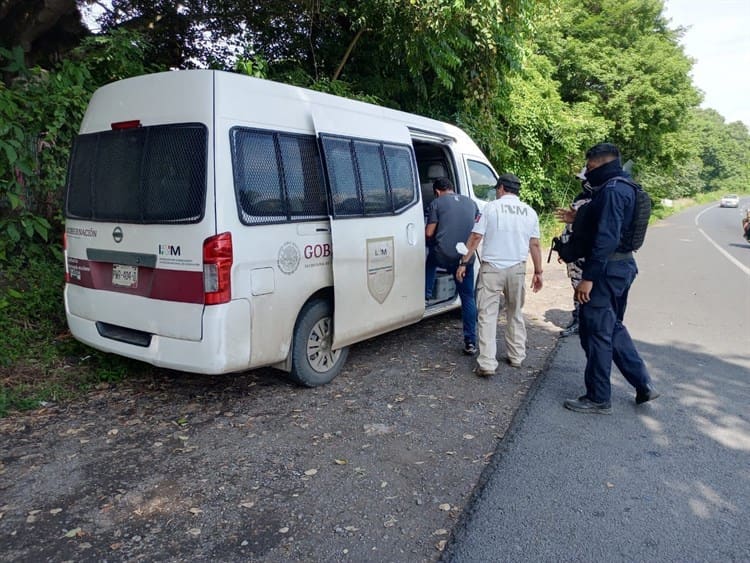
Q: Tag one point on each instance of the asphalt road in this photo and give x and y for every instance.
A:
(667, 481)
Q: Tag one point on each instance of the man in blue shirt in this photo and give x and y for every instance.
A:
(608, 272)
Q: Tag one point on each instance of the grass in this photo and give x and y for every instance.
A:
(39, 360)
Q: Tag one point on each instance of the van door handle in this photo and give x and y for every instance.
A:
(411, 234)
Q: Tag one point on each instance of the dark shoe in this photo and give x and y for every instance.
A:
(584, 404)
(570, 330)
(649, 394)
(470, 349)
(513, 363)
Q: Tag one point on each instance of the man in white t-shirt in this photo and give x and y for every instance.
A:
(510, 230)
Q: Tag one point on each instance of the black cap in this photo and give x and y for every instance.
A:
(509, 181)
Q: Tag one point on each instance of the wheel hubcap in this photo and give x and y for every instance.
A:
(319, 353)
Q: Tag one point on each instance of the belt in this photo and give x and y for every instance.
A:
(616, 256)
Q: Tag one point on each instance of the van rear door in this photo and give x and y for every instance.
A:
(139, 208)
(377, 224)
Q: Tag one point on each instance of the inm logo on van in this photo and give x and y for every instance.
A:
(169, 250)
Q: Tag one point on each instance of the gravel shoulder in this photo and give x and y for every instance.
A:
(376, 466)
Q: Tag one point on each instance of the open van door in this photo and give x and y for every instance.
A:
(377, 223)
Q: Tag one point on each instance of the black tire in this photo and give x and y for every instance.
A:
(313, 361)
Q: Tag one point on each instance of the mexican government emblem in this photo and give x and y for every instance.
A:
(380, 274)
(289, 257)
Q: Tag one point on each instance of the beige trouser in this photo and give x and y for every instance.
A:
(511, 282)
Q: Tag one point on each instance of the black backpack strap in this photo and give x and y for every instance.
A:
(629, 181)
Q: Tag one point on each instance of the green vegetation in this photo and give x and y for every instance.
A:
(533, 82)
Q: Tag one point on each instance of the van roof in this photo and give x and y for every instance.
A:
(277, 90)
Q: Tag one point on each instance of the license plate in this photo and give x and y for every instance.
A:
(124, 276)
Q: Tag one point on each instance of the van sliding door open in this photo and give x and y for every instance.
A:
(377, 224)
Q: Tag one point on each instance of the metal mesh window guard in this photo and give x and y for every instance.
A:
(401, 176)
(375, 192)
(277, 176)
(153, 174)
(343, 176)
(369, 178)
(303, 174)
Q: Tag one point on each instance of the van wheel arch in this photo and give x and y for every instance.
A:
(313, 362)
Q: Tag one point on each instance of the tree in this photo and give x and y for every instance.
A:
(620, 58)
(44, 29)
(39, 115)
(422, 54)
(724, 150)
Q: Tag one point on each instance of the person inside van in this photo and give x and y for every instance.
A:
(451, 217)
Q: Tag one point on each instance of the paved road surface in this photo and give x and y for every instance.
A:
(667, 481)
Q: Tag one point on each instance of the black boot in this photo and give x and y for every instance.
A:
(572, 328)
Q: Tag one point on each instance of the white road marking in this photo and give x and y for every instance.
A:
(729, 257)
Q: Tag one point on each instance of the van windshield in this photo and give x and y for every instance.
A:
(153, 174)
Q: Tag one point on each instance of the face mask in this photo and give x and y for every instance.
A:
(600, 175)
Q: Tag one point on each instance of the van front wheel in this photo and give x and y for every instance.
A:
(313, 361)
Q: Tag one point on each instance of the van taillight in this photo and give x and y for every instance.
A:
(217, 269)
(132, 124)
(65, 257)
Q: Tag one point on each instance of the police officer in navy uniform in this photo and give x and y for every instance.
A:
(608, 272)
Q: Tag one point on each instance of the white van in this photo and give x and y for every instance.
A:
(217, 222)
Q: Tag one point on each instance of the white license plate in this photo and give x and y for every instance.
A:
(124, 276)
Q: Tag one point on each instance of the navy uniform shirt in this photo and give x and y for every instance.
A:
(611, 211)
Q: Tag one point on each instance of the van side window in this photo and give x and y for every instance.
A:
(342, 176)
(375, 193)
(483, 180)
(145, 175)
(303, 175)
(277, 176)
(369, 177)
(400, 168)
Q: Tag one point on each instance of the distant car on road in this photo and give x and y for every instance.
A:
(730, 200)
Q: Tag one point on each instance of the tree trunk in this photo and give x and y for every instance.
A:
(349, 50)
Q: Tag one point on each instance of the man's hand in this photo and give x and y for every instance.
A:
(461, 273)
(583, 291)
(566, 215)
(536, 282)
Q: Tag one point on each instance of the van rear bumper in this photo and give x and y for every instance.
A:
(223, 348)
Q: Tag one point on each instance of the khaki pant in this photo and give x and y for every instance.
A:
(512, 283)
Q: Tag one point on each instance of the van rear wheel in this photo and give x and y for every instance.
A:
(313, 361)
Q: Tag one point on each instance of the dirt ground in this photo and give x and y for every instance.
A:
(376, 466)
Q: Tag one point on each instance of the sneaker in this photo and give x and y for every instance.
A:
(570, 330)
(470, 349)
(584, 404)
(513, 363)
(481, 372)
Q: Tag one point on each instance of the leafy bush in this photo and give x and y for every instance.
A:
(40, 111)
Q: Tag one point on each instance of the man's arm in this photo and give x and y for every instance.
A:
(429, 230)
(535, 250)
(472, 244)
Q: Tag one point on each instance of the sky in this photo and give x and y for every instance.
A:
(718, 39)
